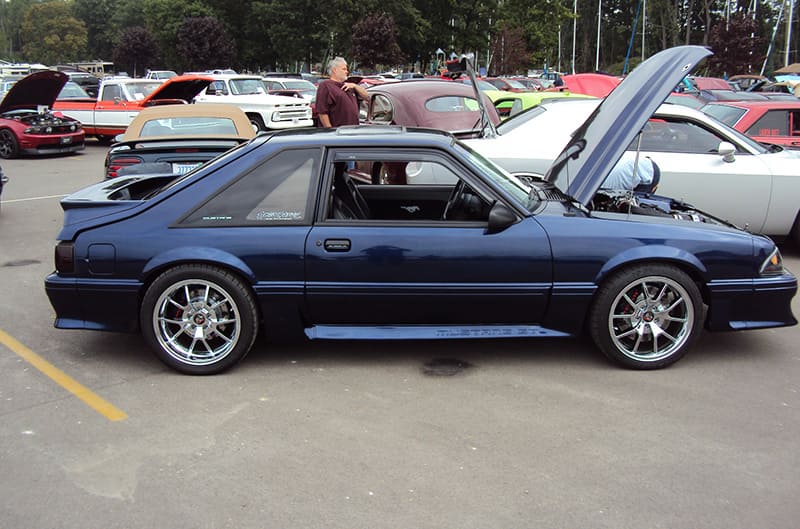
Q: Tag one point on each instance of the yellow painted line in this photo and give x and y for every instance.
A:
(98, 404)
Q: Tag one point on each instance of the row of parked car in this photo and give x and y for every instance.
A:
(701, 156)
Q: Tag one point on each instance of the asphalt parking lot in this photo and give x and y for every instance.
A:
(482, 434)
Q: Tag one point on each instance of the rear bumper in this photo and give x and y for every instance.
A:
(108, 305)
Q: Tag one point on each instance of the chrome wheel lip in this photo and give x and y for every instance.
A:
(652, 327)
(196, 322)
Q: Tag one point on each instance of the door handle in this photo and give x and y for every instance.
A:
(337, 245)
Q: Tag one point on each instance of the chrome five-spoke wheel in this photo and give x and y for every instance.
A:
(646, 317)
(199, 319)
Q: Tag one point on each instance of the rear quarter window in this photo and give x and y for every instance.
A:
(275, 192)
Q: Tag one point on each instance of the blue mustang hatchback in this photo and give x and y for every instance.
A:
(394, 233)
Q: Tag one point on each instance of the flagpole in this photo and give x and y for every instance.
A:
(597, 55)
(574, 31)
(644, 24)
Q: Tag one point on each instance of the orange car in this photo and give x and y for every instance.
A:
(121, 98)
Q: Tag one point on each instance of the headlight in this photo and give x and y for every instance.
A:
(773, 265)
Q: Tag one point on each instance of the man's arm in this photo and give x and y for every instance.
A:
(360, 90)
(324, 120)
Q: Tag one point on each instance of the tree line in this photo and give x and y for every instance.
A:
(506, 36)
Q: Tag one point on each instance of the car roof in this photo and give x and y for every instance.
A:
(362, 135)
(222, 110)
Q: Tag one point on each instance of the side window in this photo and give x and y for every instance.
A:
(381, 109)
(773, 123)
(409, 189)
(678, 136)
(794, 122)
(217, 88)
(451, 104)
(111, 92)
(275, 192)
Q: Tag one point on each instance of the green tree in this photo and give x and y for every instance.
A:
(215, 49)
(12, 13)
(297, 31)
(135, 51)
(375, 41)
(538, 23)
(163, 18)
(102, 33)
(51, 34)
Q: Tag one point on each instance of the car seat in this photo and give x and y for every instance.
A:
(348, 203)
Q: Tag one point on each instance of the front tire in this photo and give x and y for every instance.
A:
(646, 316)
(199, 319)
(9, 147)
(257, 122)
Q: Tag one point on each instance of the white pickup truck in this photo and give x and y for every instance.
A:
(266, 111)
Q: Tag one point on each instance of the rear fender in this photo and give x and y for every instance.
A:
(196, 254)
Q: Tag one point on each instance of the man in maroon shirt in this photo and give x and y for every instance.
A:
(337, 100)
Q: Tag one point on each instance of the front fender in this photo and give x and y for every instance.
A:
(652, 253)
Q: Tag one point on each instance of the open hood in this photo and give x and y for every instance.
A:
(40, 88)
(599, 143)
(184, 87)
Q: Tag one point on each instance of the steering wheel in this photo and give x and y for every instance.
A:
(454, 199)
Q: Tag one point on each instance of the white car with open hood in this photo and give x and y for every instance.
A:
(701, 160)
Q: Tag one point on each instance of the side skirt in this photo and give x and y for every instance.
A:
(428, 332)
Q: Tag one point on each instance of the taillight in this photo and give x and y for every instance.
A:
(65, 257)
(118, 163)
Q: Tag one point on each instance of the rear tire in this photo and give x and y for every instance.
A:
(646, 316)
(199, 319)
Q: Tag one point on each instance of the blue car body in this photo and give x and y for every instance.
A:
(262, 240)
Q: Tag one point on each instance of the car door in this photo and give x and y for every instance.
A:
(416, 267)
(693, 171)
(113, 110)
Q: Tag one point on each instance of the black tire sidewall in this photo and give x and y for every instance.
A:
(608, 291)
(8, 135)
(239, 293)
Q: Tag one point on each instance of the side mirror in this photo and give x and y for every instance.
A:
(500, 218)
(727, 150)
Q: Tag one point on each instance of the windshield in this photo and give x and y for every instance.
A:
(138, 90)
(725, 113)
(502, 178)
(247, 86)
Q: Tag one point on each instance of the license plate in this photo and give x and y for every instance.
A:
(183, 168)
(66, 139)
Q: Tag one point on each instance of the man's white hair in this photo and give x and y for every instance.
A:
(336, 61)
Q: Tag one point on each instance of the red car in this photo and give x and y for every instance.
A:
(773, 121)
(28, 126)
(507, 84)
(592, 84)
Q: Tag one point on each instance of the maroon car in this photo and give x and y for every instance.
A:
(773, 121)
(429, 103)
(28, 126)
